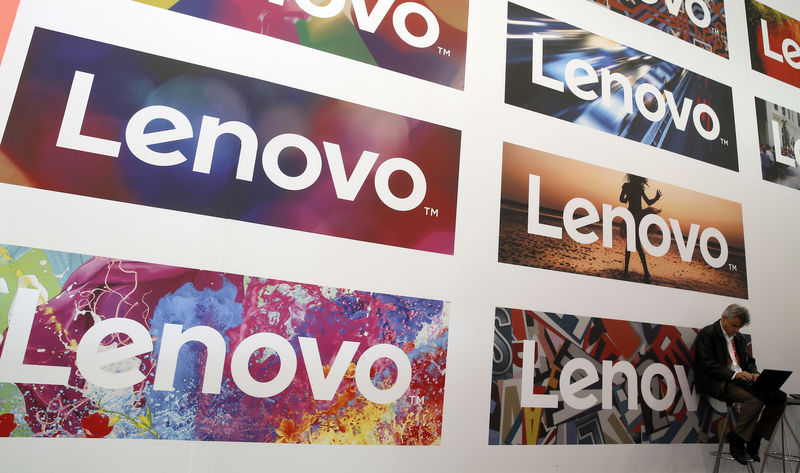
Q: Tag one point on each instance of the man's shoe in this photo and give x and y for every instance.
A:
(753, 446)
(737, 448)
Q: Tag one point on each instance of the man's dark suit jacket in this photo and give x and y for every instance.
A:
(711, 372)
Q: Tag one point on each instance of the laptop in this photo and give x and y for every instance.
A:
(770, 380)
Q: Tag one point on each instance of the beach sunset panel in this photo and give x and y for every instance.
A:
(562, 179)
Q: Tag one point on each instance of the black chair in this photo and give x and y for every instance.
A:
(724, 407)
(791, 400)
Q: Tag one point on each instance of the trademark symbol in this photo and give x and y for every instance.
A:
(443, 51)
(723, 141)
(431, 212)
(416, 400)
(732, 267)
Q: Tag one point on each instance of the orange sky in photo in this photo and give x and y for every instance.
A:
(563, 179)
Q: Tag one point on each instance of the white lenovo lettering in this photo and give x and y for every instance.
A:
(674, 7)
(789, 48)
(140, 143)
(20, 321)
(779, 144)
(94, 360)
(588, 375)
(573, 224)
(579, 73)
(370, 21)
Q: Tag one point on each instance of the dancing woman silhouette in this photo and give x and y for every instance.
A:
(633, 193)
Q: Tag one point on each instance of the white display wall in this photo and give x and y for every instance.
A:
(471, 279)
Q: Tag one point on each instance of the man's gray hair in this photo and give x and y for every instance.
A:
(736, 311)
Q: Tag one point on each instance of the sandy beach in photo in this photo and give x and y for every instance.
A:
(517, 246)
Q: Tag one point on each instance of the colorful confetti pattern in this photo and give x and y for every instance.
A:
(442, 62)
(77, 291)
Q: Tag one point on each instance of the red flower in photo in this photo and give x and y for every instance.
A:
(96, 425)
(7, 424)
(287, 432)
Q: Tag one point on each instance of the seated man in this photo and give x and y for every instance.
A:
(725, 370)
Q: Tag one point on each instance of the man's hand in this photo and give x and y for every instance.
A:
(745, 376)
